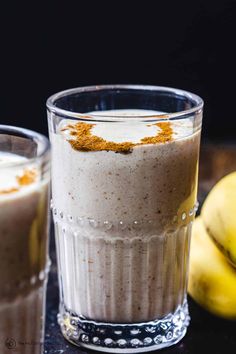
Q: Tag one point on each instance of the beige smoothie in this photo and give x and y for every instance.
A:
(124, 198)
(23, 264)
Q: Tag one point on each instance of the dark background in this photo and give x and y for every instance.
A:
(48, 46)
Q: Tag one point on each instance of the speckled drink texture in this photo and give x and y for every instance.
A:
(123, 227)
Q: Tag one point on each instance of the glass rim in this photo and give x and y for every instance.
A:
(50, 103)
(28, 134)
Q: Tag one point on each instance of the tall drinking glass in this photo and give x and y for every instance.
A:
(24, 264)
(124, 187)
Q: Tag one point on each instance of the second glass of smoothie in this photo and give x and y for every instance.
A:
(24, 218)
(124, 187)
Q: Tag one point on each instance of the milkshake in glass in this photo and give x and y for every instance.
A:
(24, 180)
(124, 186)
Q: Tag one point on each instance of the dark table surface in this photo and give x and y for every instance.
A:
(206, 334)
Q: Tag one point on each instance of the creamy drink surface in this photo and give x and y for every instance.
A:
(23, 237)
(123, 218)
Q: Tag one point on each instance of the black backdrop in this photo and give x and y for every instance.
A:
(48, 46)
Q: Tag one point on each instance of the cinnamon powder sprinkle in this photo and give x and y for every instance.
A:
(28, 177)
(85, 141)
(10, 190)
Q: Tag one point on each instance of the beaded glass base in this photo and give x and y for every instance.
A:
(125, 338)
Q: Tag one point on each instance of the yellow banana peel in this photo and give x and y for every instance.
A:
(219, 215)
(212, 280)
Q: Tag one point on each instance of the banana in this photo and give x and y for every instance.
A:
(212, 280)
(219, 215)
